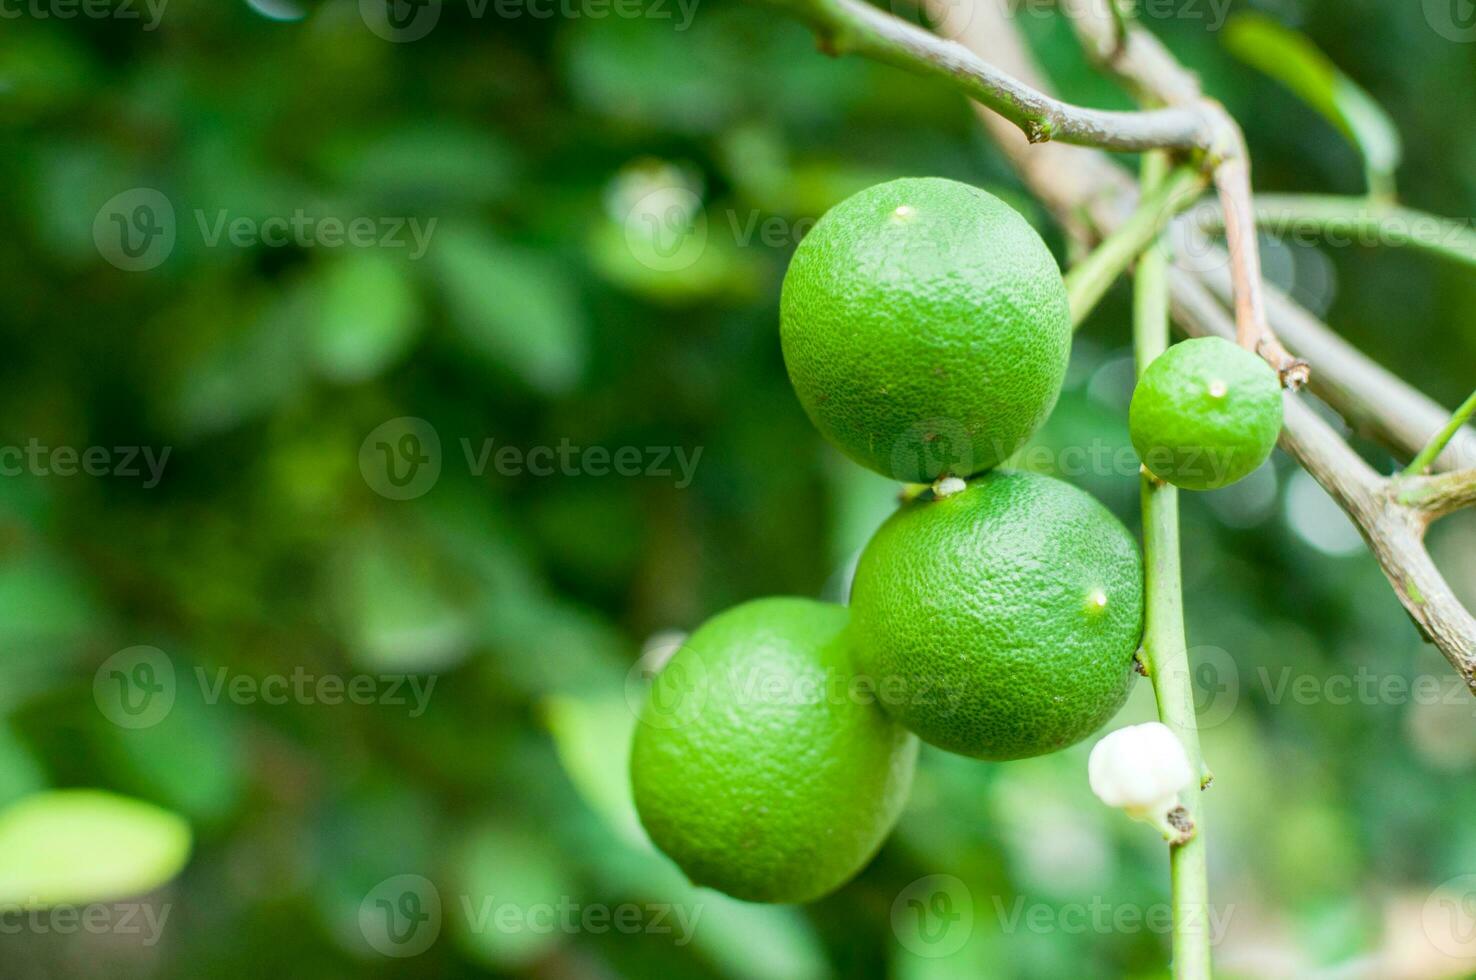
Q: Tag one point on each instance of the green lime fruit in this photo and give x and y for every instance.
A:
(1206, 413)
(1000, 622)
(760, 766)
(925, 328)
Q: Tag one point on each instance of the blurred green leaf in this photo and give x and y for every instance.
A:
(253, 370)
(593, 736)
(1292, 59)
(368, 317)
(510, 882)
(70, 847)
(192, 760)
(399, 608)
(514, 307)
(424, 164)
(20, 773)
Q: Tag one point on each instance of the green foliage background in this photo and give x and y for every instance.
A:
(530, 320)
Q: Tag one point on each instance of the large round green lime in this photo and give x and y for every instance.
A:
(925, 328)
(1205, 414)
(760, 765)
(1000, 622)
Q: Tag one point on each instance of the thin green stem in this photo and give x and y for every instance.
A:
(1165, 649)
(1088, 281)
(1344, 221)
(1436, 445)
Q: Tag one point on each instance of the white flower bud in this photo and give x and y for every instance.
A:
(1142, 769)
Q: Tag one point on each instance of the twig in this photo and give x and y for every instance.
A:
(1436, 496)
(1165, 649)
(1071, 181)
(1437, 445)
(856, 27)
(1340, 220)
(1152, 72)
(1232, 180)
(1393, 530)
(1376, 402)
(1090, 278)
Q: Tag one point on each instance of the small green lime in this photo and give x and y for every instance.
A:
(925, 328)
(1206, 413)
(1000, 622)
(760, 766)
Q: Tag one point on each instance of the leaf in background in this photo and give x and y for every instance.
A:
(46, 613)
(252, 371)
(515, 307)
(744, 940)
(425, 164)
(860, 501)
(379, 830)
(20, 773)
(191, 760)
(509, 882)
(75, 846)
(397, 609)
(592, 736)
(1292, 59)
(368, 317)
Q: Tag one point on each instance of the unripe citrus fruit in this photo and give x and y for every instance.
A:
(759, 765)
(1000, 622)
(1206, 413)
(925, 328)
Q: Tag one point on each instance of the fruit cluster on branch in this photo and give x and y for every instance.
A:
(1091, 197)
